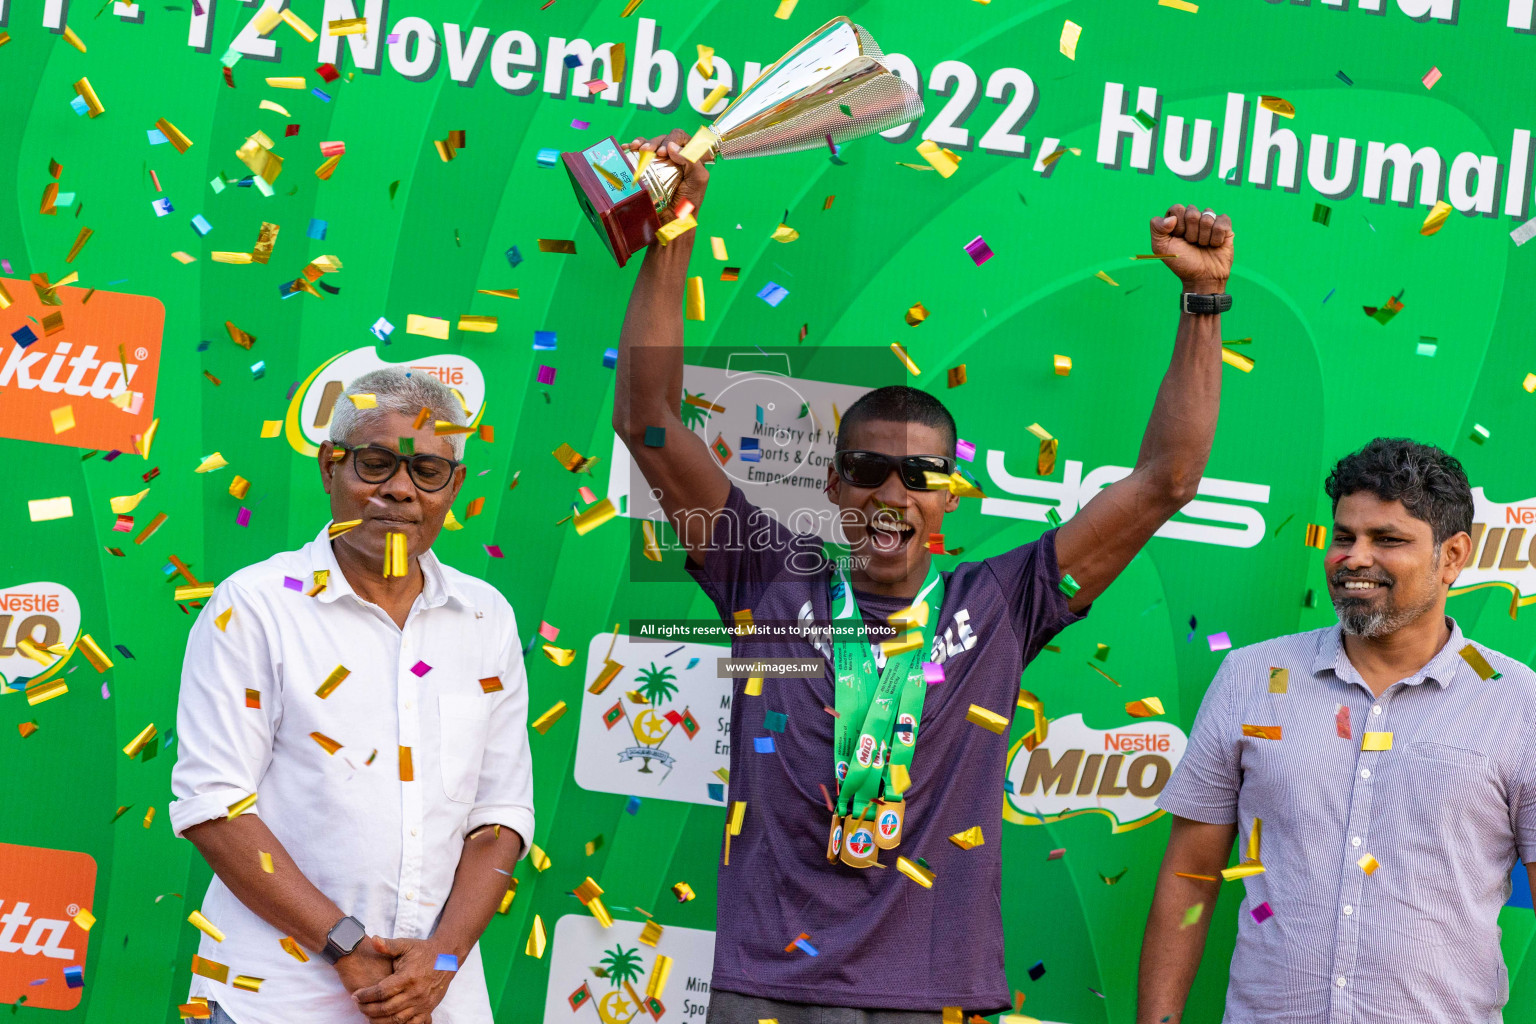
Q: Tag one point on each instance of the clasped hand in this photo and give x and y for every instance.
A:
(396, 980)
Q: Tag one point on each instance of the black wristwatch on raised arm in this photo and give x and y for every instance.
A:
(342, 939)
(1202, 302)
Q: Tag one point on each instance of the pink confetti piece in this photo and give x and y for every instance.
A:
(393, 37)
(420, 669)
(243, 517)
(933, 673)
(494, 550)
(293, 584)
(827, 797)
(965, 451)
(1219, 642)
(548, 632)
(979, 250)
(1431, 77)
(333, 149)
(6, 266)
(1056, 854)
(1341, 721)
(546, 374)
(581, 126)
(1262, 912)
(106, 694)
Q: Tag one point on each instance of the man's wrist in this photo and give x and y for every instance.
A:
(1208, 286)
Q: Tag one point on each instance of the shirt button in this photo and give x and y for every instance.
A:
(413, 831)
(1355, 841)
(412, 895)
(1365, 773)
(1340, 981)
(1376, 710)
(1348, 910)
(409, 705)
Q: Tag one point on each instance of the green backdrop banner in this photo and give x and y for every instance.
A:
(185, 334)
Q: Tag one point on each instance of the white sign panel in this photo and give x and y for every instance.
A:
(582, 945)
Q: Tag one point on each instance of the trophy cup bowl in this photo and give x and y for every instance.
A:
(795, 104)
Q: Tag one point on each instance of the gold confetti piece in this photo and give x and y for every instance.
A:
(407, 767)
(1255, 839)
(348, 27)
(327, 744)
(239, 487)
(629, 8)
(1198, 878)
(1479, 664)
(942, 160)
(919, 874)
(286, 83)
(1063, 365)
(643, 160)
(537, 857)
(660, 970)
(683, 891)
(1180, 5)
(265, 20)
(900, 780)
(738, 815)
(786, 8)
(140, 741)
(703, 142)
(507, 898)
(650, 934)
(211, 463)
(293, 949)
(1262, 732)
(1315, 536)
(989, 720)
(248, 983)
(73, 40)
(5, 297)
(272, 428)
(365, 401)
(952, 1015)
(242, 805)
(706, 63)
(694, 299)
(92, 103)
(335, 679)
(174, 135)
(207, 927)
(536, 939)
(1107, 279)
(93, 653)
(80, 240)
(328, 167)
(1247, 870)
(716, 94)
(1376, 741)
(1147, 707)
(194, 592)
(1059, 153)
(85, 918)
(910, 641)
(590, 519)
(337, 529)
(396, 558)
(743, 620)
(1368, 864)
(1237, 359)
(266, 861)
(63, 418)
(47, 689)
(210, 969)
(1071, 31)
(1276, 105)
(916, 314)
(784, 233)
(298, 25)
(675, 227)
(1042, 727)
(906, 360)
(1436, 219)
(543, 722)
(477, 324)
(755, 686)
(969, 839)
(501, 293)
(564, 245)
(1279, 679)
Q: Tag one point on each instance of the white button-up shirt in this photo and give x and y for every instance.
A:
(433, 743)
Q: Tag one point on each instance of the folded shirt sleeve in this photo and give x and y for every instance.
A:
(231, 700)
(504, 794)
(1204, 786)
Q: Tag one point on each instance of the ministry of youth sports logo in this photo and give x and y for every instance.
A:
(861, 842)
(887, 822)
(842, 770)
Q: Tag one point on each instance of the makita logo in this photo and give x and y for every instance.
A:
(1137, 741)
(62, 370)
(43, 934)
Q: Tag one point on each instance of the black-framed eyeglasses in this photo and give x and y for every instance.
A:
(870, 469)
(374, 464)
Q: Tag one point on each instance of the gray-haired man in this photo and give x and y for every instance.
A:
(375, 700)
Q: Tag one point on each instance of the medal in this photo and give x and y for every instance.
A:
(888, 816)
(858, 843)
(835, 838)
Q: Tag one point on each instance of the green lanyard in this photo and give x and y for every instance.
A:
(877, 718)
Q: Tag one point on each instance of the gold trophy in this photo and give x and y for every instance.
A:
(796, 104)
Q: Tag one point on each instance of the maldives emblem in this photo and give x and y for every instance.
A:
(908, 735)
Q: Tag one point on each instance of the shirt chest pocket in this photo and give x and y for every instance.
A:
(463, 723)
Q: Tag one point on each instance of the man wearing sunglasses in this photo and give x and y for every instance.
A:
(884, 754)
(376, 700)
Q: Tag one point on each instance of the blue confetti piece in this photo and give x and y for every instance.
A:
(200, 225)
(446, 962)
(64, 199)
(572, 61)
(79, 106)
(807, 948)
(610, 357)
(259, 370)
(763, 744)
(317, 229)
(321, 95)
(382, 329)
(717, 791)
(692, 662)
(125, 652)
(548, 157)
(632, 806)
(544, 341)
(162, 207)
(74, 976)
(1329, 295)
(1007, 786)
(514, 257)
(246, 182)
(1038, 971)
(24, 337)
(759, 414)
(748, 443)
(157, 137)
(775, 721)
(202, 346)
(773, 294)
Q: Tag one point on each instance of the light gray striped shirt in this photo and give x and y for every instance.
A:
(1444, 812)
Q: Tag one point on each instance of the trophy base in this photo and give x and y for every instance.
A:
(618, 206)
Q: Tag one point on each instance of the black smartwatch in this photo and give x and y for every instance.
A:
(1196, 302)
(342, 939)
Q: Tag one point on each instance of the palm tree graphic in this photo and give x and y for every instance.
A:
(693, 416)
(657, 685)
(622, 965)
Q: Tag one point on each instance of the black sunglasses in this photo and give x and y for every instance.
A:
(870, 469)
(375, 464)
